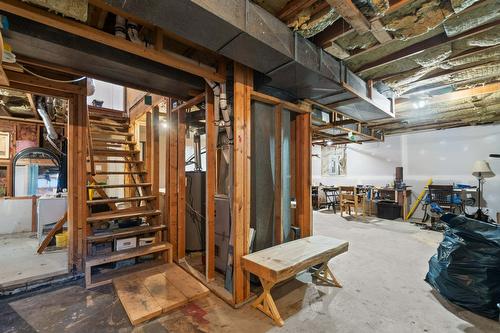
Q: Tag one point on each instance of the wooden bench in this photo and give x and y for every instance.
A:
(281, 262)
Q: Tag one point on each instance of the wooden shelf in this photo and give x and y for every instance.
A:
(119, 215)
(122, 255)
(107, 277)
(125, 232)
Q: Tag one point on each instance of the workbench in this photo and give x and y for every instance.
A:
(281, 262)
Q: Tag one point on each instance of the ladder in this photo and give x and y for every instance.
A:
(112, 153)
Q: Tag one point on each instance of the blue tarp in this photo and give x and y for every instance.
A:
(466, 268)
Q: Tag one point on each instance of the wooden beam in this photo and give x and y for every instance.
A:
(211, 181)
(166, 58)
(424, 45)
(379, 32)
(34, 81)
(243, 84)
(190, 103)
(351, 14)
(338, 29)
(456, 95)
(293, 7)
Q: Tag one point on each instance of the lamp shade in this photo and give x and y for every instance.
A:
(482, 169)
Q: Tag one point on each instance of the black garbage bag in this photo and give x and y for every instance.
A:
(466, 268)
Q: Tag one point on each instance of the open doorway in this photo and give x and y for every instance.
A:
(33, 187)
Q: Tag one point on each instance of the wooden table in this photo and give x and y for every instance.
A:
(281, 262)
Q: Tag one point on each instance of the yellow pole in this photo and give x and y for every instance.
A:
(420, 197)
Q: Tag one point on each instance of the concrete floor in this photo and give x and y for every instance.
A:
(384, 291)
(20, 263)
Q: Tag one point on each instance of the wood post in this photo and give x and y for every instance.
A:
(303, 176)
(172, 183)
(211, 181)
(155, 176)
(278, 223)
(77, 176)
(243, 86)
(181, 183)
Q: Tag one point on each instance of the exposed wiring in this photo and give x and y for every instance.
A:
(48, 78)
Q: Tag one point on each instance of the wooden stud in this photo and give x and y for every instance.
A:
(211, 181)
(82, 30)
(243, 86)
(172, 184)
(181, 183)
(278, 223)
(303, 173)
(155, 177)
(34, 214)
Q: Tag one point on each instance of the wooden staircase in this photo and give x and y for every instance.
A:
(111, 145)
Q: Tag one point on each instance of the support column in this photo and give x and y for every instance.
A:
(303, 146)
(211, 181)
(243, 86)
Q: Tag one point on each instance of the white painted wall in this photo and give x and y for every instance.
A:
(447, 156)
(111, 94)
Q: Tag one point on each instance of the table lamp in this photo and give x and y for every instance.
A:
(481, 170)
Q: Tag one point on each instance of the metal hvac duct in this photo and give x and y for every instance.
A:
(245, 32)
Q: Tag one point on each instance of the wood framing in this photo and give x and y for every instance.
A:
(181, 183)
(82, 30)
(243, 86)
(172, 183)
(211, 183)
(278, 223)
(303, 144)
(351, 14)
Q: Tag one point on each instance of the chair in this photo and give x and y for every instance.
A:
(349, 197)
(332, 197)
(444, 196)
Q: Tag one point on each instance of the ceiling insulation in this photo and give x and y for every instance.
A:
(417, 18)
(482, 13)
(372, 8)
(77, 9)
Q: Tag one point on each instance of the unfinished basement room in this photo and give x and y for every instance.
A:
(250, 166)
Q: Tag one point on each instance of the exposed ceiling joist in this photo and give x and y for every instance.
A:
(456, 95)
(379, 32)
(424, 45)
(292, 7)
(351, 14)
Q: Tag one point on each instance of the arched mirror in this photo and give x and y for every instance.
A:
(36, 171)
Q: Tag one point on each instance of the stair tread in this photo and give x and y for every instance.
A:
(109, 132)
(108, 140)
(120, 172)
(125, 232)
(108, 123)
(126, 199)
(94, 186)
(114, 152)
(117, 161)
(122, 215)
(126, 254)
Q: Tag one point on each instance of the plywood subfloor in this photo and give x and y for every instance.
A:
(149, 293)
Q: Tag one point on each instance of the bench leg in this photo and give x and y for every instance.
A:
(265, 303)
(325, 274)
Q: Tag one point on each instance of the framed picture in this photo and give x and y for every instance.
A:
(4, 145)
(333, 161)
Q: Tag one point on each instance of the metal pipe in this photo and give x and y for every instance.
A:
(197, 151)
(41, 109)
